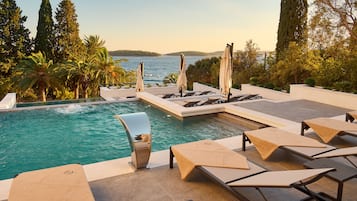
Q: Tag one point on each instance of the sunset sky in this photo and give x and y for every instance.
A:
(166, 26)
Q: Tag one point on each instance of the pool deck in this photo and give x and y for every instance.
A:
(111, 180)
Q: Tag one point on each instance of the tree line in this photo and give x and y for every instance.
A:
(57, 63)
(321, 50)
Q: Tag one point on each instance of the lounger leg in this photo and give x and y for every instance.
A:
(262, 194)
(339, 191)
(349, 118)
(244, 139)
(304, 127)
(171, 159)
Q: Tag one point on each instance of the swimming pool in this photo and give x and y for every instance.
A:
(35, 139)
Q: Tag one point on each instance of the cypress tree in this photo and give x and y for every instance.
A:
(292, 24)
(68, 46)
(14, 37)
(45, 36)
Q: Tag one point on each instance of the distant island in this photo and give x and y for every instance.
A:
(155, 54)
(187, 53)
(196, 53)
(133, 53)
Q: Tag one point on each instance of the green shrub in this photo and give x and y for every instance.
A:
(277, 88)
(345, 86)
(237, 86)
(269, 85)
(253, 80)
(310, 82)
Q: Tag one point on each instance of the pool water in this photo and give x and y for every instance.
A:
(35, 139)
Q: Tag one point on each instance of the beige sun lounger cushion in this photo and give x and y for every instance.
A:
(66, 182)
(278, 178)
(267, 140)
(327, 128)
(206, 153)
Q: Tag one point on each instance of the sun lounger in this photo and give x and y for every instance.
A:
(168, 95)
(189, 94)
(66, 182)
(229, 168)
(267, 140)
(248, 97)
(351, 116)
(138, 130)
(244, 97)
(209, 101)
(204, 93)
(235, 98)
(327, 128)
(191, 103)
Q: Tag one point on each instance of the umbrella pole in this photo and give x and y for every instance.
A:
(229, 94)
(231, 52)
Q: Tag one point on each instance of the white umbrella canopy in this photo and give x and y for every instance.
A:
(182, 79)
(225, 72)
(140, 78)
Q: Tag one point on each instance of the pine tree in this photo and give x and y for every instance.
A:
(14, 37)
(68, 46)
(45, 34)
(292, 24)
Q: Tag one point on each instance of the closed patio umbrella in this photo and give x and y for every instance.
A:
(182, 79)
(140, 78)
(225, 72)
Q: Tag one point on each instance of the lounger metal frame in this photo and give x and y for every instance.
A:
(349, 117)
(301, 186)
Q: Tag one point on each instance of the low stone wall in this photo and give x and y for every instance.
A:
(9, 101)
(265, 93)
(201, 87)
(117, 93)
(336, 98)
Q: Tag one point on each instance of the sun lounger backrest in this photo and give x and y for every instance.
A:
(227, 175)
(309, 152)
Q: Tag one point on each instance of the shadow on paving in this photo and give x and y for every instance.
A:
(159, 183)
(297, 110)
(165, 184)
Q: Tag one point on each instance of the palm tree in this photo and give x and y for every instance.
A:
(36, 72)
(79, 74)
(93, 44)
(109, 69)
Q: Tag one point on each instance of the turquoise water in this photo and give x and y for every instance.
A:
(34, 139)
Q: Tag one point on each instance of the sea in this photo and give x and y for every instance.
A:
(156, 68)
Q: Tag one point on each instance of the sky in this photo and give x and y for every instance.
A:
(166, 26)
